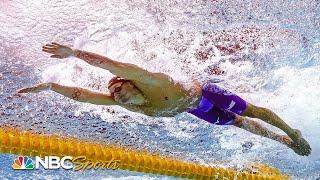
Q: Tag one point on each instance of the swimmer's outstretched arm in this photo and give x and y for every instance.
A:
(124, 70)
(75, 93)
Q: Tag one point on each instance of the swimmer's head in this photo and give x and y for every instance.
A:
(125, 92)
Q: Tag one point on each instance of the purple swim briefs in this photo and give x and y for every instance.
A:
(218, 106)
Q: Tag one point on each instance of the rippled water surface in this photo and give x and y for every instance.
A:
(266, 51)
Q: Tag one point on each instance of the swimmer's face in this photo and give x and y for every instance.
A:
(126, 93)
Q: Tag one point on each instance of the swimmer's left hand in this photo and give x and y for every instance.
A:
(35, 89)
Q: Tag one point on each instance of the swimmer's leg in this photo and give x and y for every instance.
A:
(224, 99)
(75, 93)
(258, 129)
(272, 118)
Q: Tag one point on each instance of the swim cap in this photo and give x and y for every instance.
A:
(116, 80)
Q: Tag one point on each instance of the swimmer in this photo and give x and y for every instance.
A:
(156, 94)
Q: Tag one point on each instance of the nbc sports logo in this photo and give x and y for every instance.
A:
(66, 162)
(23, 162)
(49, 162)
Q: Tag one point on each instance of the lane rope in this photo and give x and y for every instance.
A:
(15, 141)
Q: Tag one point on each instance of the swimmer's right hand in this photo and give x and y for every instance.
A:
(36, 88)
(58, 50)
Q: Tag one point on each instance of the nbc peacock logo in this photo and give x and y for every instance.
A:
(23, 162)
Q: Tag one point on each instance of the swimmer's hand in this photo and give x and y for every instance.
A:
(36, 88)
(58, 51)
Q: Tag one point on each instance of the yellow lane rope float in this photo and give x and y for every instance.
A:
(15, 141)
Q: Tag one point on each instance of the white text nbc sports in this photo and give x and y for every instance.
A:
(53, 162)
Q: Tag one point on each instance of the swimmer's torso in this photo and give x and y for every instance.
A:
(167, 100)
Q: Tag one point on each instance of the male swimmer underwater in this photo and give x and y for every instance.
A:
(155, 94)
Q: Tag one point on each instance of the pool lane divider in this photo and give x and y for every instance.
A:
(15, 141)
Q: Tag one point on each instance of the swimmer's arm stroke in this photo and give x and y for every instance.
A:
(124, 70)
(75, 93)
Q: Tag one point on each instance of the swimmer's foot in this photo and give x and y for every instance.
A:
(299, 146)
(302, 144)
